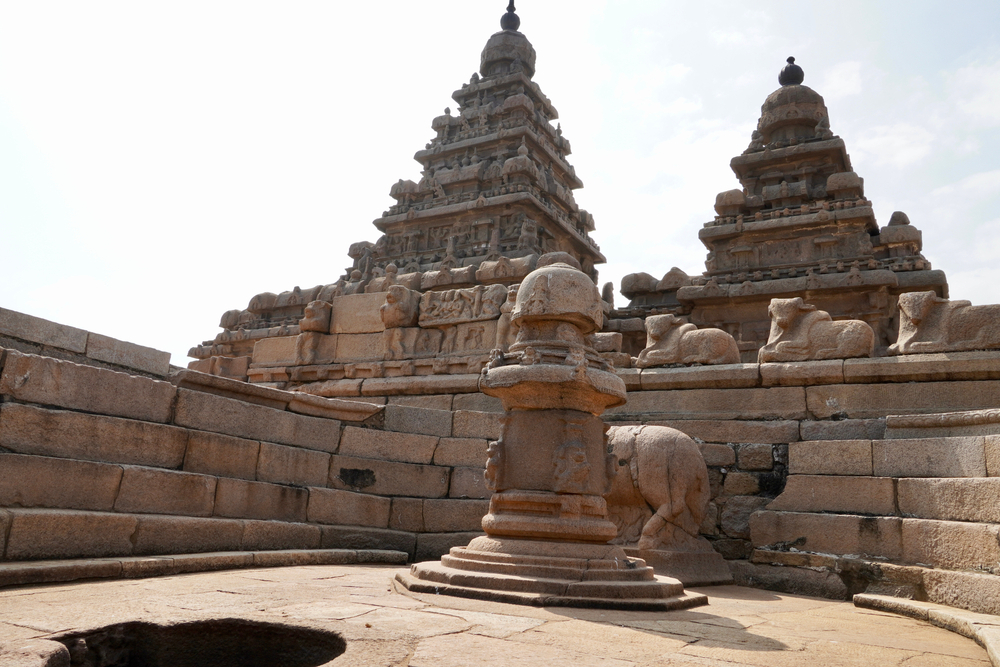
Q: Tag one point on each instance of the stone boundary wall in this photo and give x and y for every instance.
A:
(99, 463)
(34, 335)
(745, 416)
(96, 462)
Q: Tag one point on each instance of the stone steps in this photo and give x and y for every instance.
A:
(945, 499)
(840, 577)
(955, 545)
(983, 629)
(48, 572)
(911, 516)
(661, 594)
(95, 462)
(969, 456)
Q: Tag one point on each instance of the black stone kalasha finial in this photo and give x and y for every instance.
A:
(791, 74)
(510, 20)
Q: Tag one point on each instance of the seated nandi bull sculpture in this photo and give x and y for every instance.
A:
(928, 323)
(660, 492)
(672, 340)
(800, 332)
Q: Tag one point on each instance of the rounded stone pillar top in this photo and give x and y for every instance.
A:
(559, 292)
(792, 106)
(505, 48)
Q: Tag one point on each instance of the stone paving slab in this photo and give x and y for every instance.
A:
(382, 627)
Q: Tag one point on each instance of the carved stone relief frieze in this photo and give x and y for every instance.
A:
(473, 304)
(412, 343)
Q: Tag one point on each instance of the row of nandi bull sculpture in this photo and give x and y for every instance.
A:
(802, 332)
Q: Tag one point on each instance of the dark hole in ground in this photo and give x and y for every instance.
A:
(229, 642)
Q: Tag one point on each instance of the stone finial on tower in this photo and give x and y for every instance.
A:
(510, 20)
(791, 74)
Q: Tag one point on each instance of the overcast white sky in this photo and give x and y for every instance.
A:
(161, 163)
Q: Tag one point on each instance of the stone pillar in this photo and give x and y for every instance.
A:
(547, 530)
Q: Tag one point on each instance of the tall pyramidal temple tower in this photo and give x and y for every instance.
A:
(800, 226)
(495, 179)
(495, 193)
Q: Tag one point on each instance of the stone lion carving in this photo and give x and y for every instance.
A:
(928, 323)
(316, 317)
(660, 493)
(671, 340)
(800, 332)
(401, 307)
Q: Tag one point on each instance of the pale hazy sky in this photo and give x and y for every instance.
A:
(161, 163)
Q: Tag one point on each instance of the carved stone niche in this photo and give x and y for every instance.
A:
(673, 340)
(411, 343)
(928, 323)
(469, 338)
(800, 332)
(536, 456)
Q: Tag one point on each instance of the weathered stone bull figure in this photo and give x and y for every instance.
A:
(671, 340)
(928, 323)
(800, 332)
(660, 493)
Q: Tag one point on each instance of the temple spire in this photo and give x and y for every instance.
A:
(510, 20)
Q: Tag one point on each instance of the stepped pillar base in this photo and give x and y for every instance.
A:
(543, 574)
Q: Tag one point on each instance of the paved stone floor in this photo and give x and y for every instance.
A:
(741, 626)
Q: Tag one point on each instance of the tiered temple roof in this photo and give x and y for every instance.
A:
(495, 193)
(800, 226)
(495, 179)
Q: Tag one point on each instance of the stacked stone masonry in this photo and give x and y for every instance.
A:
(34, 335)
(95, 462)
(830, 477)
(868, 498)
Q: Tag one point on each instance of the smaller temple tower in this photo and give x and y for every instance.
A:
(799, 226)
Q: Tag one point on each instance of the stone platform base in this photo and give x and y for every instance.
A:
(540, 573)
(140, 567)
(406, 582)
(690, 568)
